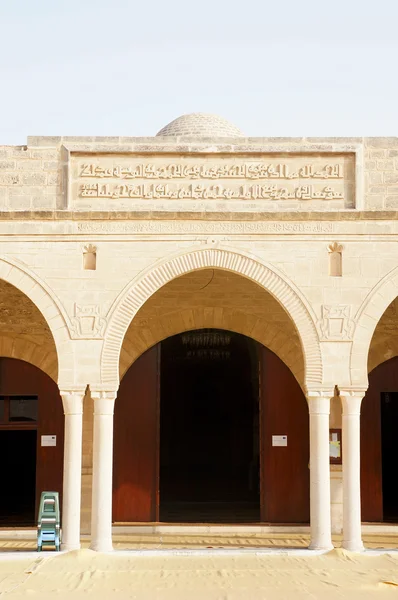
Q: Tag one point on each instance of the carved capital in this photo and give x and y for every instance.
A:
(72, 402)
(351, 400)
(87, 323)
(336, 324)
(319, 400)
(318, 405)
(104, 401)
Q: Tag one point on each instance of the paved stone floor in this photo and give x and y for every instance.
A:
(178, 541)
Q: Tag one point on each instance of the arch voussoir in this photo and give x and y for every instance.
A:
(144, 286)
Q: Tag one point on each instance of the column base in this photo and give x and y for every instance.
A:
(352, 546)
(324, 548)
(69, 547)
(102, 546)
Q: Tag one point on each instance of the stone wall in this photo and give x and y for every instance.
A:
(381, 173)
(30, 178)
(44, 228)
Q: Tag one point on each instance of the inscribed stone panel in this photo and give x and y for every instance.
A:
(323, 181)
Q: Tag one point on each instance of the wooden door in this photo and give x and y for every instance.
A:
(383, 378)
(136, 442)
(284, 472)
(18, 377)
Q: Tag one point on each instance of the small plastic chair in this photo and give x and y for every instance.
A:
(48, 522)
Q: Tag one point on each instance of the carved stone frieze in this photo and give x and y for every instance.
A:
(125, 179)
(203, 227)
(336, 323)
(87, 322)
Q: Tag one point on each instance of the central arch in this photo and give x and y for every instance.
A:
(141, 289)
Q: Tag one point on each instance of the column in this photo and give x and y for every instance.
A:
(352, 534)
(321, 534)
(73, 410)
(101, 511)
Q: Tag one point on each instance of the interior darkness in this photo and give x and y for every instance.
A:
(209, 432)
(389, 450)
(17, 498)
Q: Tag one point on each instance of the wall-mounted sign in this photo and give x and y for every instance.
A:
(48, 440)
(279, 440)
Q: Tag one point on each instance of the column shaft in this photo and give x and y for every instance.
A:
(321, 535)
(73, 409)
(101, 513)
(352, 533)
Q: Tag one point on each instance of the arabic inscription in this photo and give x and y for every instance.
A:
(299, 178)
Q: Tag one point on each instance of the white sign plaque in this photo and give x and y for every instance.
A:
(279, 440)
(48, 440)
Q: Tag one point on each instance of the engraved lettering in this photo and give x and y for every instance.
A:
(283, 178)
(192, 227)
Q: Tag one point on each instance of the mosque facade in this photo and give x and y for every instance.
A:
(200, 328)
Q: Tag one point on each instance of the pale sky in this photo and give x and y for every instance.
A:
(128, 67)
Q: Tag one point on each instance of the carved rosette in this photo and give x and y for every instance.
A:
(336, 324)
(87, 323)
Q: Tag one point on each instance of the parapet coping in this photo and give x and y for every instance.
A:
(53, 141)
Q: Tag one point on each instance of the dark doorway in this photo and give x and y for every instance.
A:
(30, 408)
(209, 428)
(18, 490)
(195, 421)
(389, 455)
(379, 455)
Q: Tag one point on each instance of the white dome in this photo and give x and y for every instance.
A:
(200, 125)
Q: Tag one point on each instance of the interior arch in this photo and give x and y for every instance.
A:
(24, 332)
(212, 298)
(139, 291)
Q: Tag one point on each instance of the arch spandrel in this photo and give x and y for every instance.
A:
(269, 278)
(368, 317)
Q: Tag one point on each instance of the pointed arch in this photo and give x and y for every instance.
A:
(268, 277)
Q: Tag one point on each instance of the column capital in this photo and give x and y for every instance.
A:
(72, 401)
(351, 400)
(319, 402)
(319, 392)
(104, 401)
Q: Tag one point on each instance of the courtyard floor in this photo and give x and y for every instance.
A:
(213, 567)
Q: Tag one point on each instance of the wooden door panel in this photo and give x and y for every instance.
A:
(284, 470)
(135, 471)
(383, 378)
(18, 377)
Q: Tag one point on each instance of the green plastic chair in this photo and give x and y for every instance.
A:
(48, 522)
